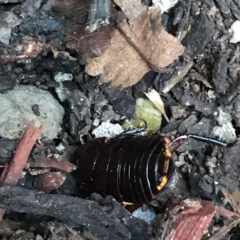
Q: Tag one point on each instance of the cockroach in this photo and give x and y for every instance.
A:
(131, 168)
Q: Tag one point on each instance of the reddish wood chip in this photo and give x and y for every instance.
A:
(50, 181)
(50, 162)
(13, 171)
(225, 212)
(191, 219)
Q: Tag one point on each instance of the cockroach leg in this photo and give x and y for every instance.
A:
(177, 143)
(167, 140)
(135, 130)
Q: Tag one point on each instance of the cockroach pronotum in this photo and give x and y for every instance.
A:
(131, 168)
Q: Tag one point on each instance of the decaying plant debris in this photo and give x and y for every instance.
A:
(94, 61)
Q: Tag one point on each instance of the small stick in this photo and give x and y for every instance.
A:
(225, 229)
(65, 166)
(226, 213)
(12, 172)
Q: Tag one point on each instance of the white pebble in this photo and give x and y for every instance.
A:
(62, 77)
(164, 5)
(107, 129)
(235, 29)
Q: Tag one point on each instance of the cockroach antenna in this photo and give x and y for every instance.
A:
(181, 139)
(206, 139)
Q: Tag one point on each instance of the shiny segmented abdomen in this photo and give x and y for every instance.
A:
(128, 167)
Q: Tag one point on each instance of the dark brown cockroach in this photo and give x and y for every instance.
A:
(131, 168)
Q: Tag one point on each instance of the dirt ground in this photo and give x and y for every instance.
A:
(45, 45)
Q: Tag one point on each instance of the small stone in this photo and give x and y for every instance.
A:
(177, 111)
(224, 7)
(202, 128)
(8, 20)
(107, 129)
(235, 29)
(188, 122)
(164, 5)
(16, 112)
(148, 215)
(62, 77)
(79, 105)
(219, 74)
(225, 132)
(223, 116)
(9, 1)
(211, 94)
(206, 187)
(199, 35)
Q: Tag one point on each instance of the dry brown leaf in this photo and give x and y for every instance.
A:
(155, 98)
(132, 9)
(138, 44)
(120, 63)
(67, 7)
(89, 45)
(146, 34)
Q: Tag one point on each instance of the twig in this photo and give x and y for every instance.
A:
(225, 229)
(65, 166)
(229, 197)
(12, 172)
(233, 217)
(225, 212)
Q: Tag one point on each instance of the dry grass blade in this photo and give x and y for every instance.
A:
(233, 199)
(233, 217)
(225, 229)
(155, 98)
